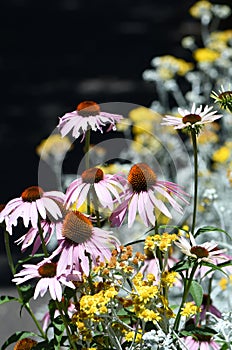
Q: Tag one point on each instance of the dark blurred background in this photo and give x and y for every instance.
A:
(57, 53)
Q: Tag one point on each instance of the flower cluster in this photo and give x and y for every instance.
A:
(135, 254)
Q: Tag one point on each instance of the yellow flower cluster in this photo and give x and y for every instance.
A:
(222, 154)
(96, 305)
(143, 297)
(225, 282)
(163, 241)
(190, 309)
(200, 8)
(54, 145)
(205, 54)
(170, 65)
(133, 336)
(168, 278)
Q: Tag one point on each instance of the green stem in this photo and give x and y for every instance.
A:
(13, 270)
(194, 141)
(184, 297)
(86, 149)
(69, 334)
(42, 239)
(87, 163)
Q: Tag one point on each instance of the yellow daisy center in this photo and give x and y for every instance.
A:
(141, 177)
(32, 193)
(191, 118)
(77, 227)
(92, 175)
(88, 108)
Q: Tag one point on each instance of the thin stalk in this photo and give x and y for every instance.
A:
(87, 164)
(45, 251)
(69, 334)
(194, 141)
(86, 149)
(184, 297)
(13, 270)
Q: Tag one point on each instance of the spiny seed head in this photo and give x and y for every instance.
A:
(92, 175)
(88, 108)
(32, 193)
(77, 227)
(25, 344)
(141, 177)
(191, 118)
(200, 252)
(47, 270)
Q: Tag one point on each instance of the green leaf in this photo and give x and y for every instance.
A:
(196, 291)
(27, 293)
(205, 229)
(6, 299)
(214, 267)
(30, 257)
(16, 337)
(181, 266)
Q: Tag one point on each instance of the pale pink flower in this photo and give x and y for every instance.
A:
(32, 236)
(200, 252)
(100, 186)
(47, 318)
(192, 119)
(50, 228)
(87, 116)
(208, 344)
(80, 239)
(46, 272)
(140, 197)
(33, 204)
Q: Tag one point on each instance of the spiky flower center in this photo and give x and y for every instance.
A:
(25, 344)
(88, 108)
(141, 177)
(191, 118)
(32, 193)
(47, 270)
(2, 206)
(203, 337)
(92, 175)
(225, 95)
(200, 252)
(77, 227)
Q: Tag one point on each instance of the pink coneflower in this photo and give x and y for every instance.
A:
(201, 342)
(87, 116)
(193, 119)
(200, 252)
(46, 272)
(100, 186)
(50, 227)
(80, 239)
(139, 196)
(32, 204)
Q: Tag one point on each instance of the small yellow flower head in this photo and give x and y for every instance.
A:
(55, 146)
(149, 315)
(190, 309)
(141, 114)
(200, 8)
(221, 155)
(205, 55)
(169, 278)
(225, 282)
(132, 336)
